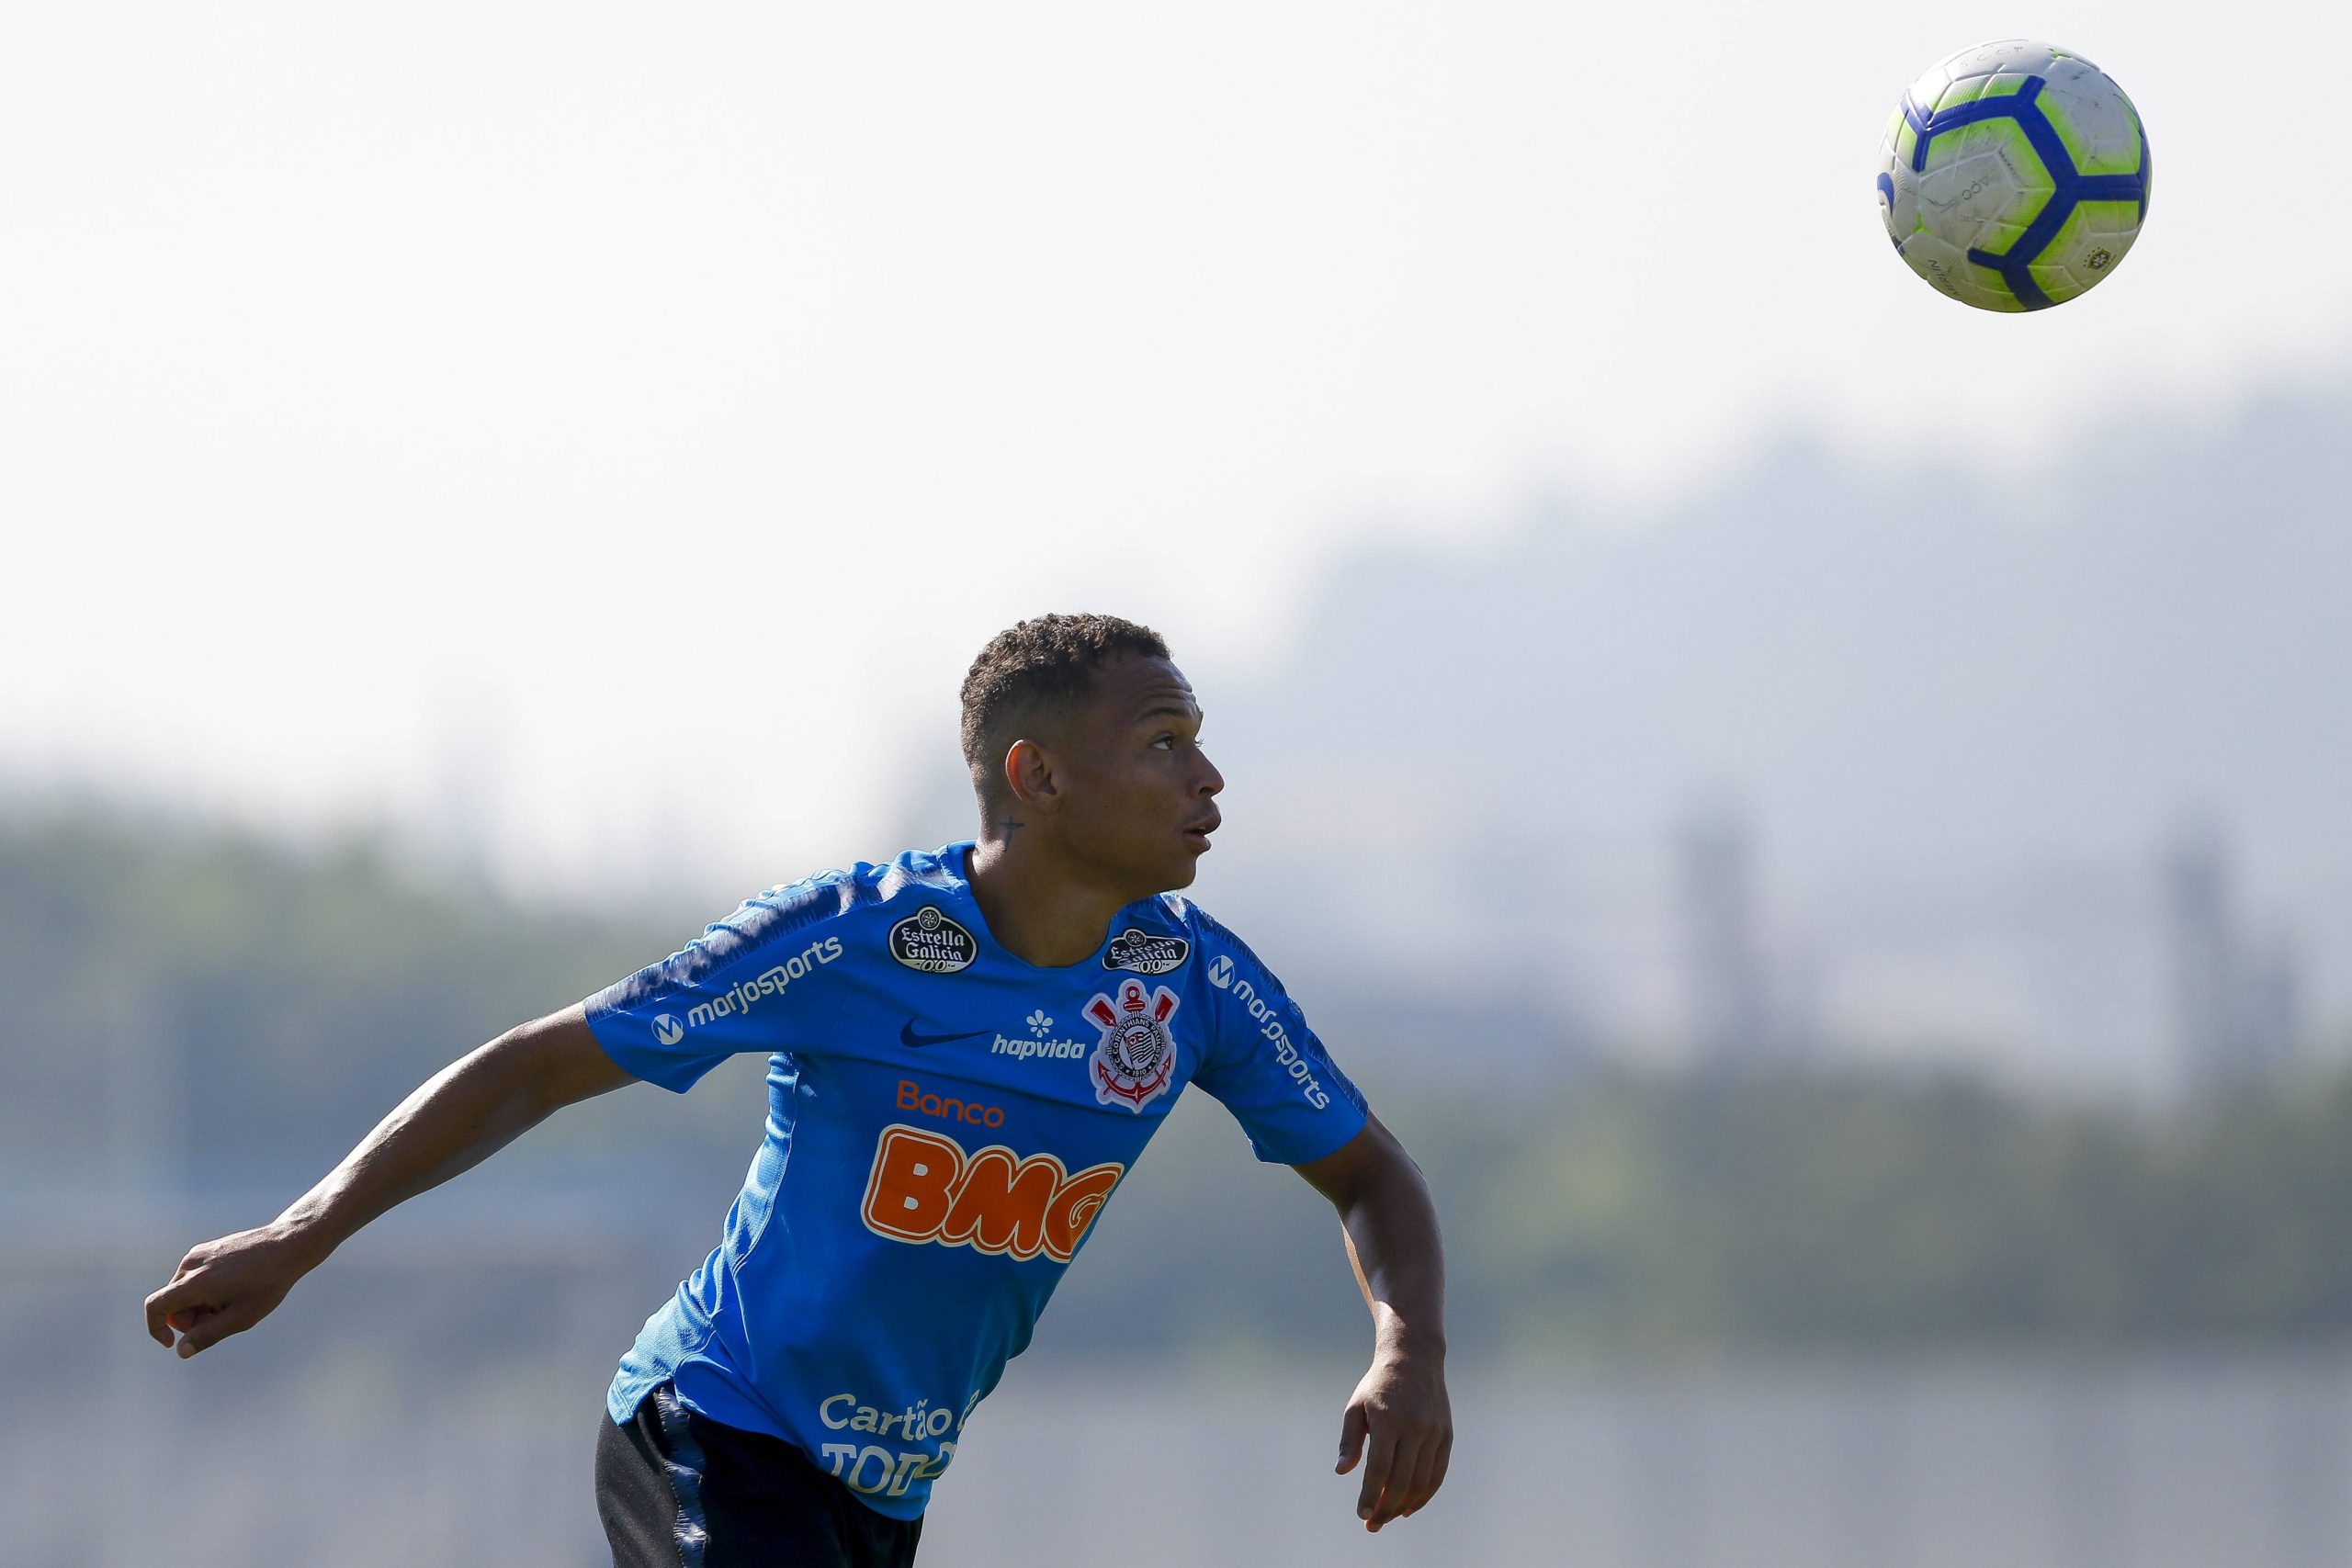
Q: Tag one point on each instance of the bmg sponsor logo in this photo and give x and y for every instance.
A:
(745, 995)
(925, 1191)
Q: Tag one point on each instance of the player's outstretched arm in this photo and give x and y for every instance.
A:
(1399, 1422)
(460, 1116)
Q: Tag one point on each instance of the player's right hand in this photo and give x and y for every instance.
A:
(225, 1287)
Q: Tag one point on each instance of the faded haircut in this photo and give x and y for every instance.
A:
(1045, 661)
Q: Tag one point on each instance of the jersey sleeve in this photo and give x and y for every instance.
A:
(741, 986)
(1265, 1065)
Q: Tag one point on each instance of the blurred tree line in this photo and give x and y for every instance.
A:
(189, 1009)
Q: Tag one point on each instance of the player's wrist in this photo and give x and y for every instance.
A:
(306, 1233)
(1402, 1340)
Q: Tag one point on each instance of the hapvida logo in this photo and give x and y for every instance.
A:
(1039, 1042)
(1024, 1050)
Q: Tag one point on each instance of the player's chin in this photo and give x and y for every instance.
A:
(1187, 865)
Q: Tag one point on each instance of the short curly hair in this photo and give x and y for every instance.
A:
(1050, 658)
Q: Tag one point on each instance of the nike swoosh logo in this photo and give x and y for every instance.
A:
(908, 1037)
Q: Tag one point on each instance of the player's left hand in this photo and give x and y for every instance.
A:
(1401, 1426)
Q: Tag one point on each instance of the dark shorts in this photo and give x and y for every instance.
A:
(677, 1490)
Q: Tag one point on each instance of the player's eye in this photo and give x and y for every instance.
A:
(1165, 743)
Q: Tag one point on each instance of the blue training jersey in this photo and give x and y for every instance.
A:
(945, 1121)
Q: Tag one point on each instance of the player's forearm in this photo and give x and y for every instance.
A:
(1393, 1240)
(454, 1121)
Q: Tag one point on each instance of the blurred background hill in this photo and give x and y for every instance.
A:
(2036, 770)
(208, 1022)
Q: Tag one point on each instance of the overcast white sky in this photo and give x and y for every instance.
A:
(670, 398)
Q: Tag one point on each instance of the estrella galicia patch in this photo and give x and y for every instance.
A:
(927, 940)
(1146, 953)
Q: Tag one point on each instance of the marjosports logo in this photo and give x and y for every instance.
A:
(744, 995)
(1294, 1061)
(1137, 1058)
(927, 940)
(925, 1189)
(1146, 953)
(1221, 972)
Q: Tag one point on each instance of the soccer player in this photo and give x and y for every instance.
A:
(967, 1051)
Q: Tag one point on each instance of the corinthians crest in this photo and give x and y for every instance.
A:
(1137, 1059)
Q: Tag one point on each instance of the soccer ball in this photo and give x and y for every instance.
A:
(2015, 176)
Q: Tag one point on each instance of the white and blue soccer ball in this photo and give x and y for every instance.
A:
(2015, 176)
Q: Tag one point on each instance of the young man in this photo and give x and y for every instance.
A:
(967, 1050)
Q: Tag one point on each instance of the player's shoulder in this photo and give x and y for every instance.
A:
(1180, 914)
(825, 901)
(1207, 936)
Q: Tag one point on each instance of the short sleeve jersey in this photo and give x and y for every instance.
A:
(945, 1123)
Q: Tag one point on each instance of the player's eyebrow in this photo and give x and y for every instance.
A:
(1171, 709)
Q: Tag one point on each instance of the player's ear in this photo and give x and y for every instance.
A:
(1029, 774)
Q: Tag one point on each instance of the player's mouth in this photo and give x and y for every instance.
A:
(1199, 831)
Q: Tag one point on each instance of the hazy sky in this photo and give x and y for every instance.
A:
(662, 403)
